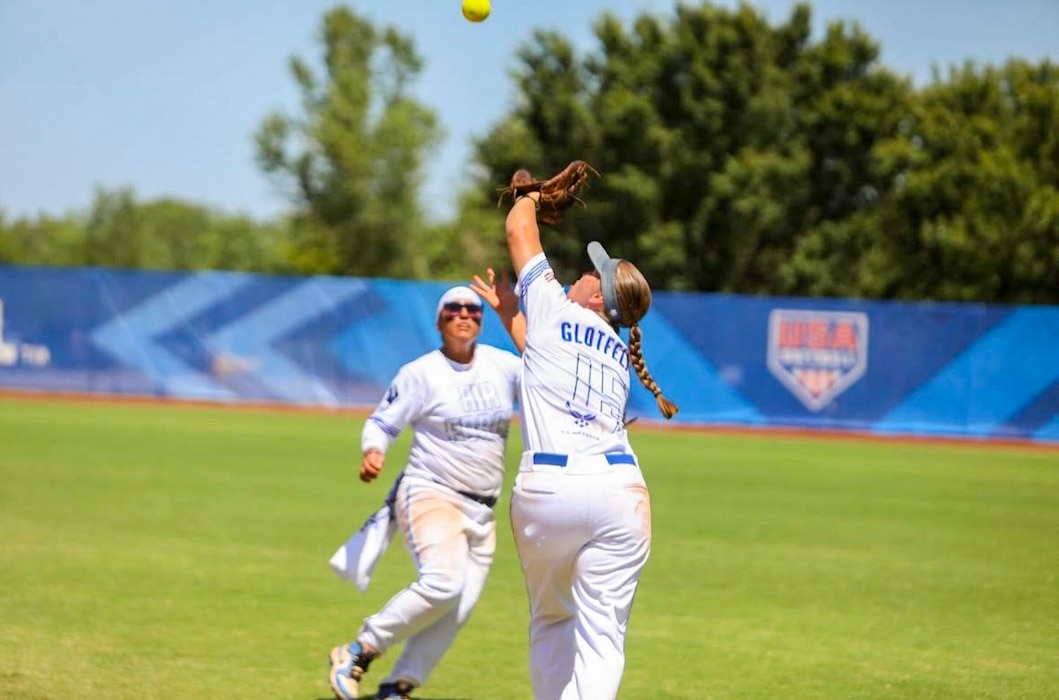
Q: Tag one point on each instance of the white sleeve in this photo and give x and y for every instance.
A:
(401, 405)
(514, 372)
(541, 294)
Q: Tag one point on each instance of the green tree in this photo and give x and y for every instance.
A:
(353, 159)
(40, 240)
(975, 215)
(740, 156)
(240, 243)
(176, 233)
(162, 234)
(113, 233)
(721, 138)
(972, 198)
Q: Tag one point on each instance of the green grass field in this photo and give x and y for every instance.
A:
(181, 553)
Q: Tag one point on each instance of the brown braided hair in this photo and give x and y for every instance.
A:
(634, 299)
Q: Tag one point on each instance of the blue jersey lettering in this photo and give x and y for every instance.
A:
(595, 338)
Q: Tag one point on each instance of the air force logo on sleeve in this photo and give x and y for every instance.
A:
(817, 355)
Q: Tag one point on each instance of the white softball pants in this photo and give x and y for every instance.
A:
(452, 540)
(583, 534)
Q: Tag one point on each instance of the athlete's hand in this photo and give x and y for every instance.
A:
(371, 465)
(501, 297)
(487, 290)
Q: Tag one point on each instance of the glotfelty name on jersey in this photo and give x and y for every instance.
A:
(596, 338)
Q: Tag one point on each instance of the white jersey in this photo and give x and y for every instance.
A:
(575, 371)
(460, 417)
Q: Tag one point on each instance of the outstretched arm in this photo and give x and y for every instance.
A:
(504, 301)
(540, 201)
(523, 235)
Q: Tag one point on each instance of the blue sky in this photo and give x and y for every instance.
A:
(164, 96)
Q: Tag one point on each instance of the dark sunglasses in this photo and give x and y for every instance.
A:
(453, 308)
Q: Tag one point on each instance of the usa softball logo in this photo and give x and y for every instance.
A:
(817, 354)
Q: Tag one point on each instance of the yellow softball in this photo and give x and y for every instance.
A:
(476, 10)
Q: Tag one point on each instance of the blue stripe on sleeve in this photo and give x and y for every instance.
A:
(386, 427)
(532, 274)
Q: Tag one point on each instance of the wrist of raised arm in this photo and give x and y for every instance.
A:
(534, 197)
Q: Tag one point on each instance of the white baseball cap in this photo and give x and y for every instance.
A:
(605, 266)
(458, 294)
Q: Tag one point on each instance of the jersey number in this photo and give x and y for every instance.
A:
(601, 387)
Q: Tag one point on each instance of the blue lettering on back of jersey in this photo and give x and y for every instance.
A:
(595, 338)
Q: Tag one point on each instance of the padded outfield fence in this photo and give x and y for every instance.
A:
(941, 369)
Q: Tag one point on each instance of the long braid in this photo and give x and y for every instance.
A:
(667, 407)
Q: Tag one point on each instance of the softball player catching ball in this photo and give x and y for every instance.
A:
(459, 401)
(580, 508)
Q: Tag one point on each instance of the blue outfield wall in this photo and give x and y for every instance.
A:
(967, 370)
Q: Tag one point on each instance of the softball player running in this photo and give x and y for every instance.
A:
(459, 401)
(580, 508)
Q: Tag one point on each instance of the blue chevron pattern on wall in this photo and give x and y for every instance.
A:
(968, 370)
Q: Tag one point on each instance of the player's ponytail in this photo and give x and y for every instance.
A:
(667, 407)
(634, 299)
